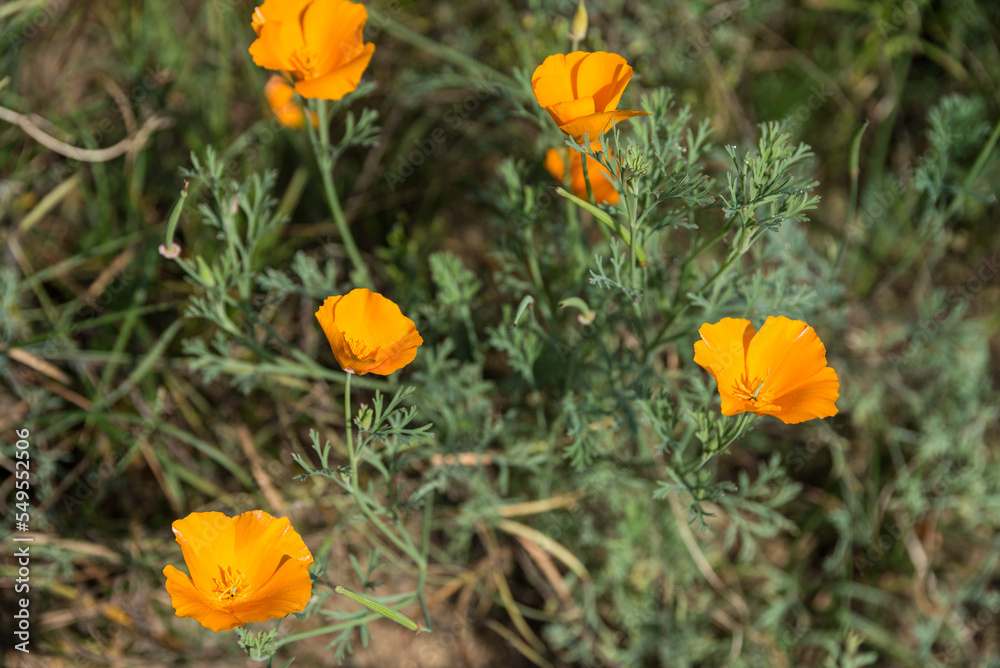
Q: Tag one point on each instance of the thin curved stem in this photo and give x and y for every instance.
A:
(321, 147)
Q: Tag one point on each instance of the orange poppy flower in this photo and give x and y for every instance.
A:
(318, 42)
(780, 370)
(248, 568)
(281, 98)
(368, 333)
(604, 189)
(581, 91)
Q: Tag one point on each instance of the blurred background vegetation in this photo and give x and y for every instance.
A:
(866, 539)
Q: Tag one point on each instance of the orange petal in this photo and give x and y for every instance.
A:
(189, 601)
(327, 320)
(550, 90)
(325, 316)
(787, 353)
(289, 44)
(722, 352)
(555, 162)
(615, 90)
(207, 540)
(276, 10)
(815, 398)
(281, 99)
(600, 183)
(600, 76)
(278, 91)
(552, 81)
(368, 333)
(570, 110)
(397, 355)
(370, 318)
(333, 28)
(339, 82)
(262, 543)
(281, 10)
(287, 590)
(595, 124)
(267, 50)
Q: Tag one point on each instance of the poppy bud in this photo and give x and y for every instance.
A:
(578, 29)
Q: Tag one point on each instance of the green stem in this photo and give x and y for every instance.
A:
(355, 457)
(380, 608)
(573, 217)
(586, 178)
(536, 273)
(333, 628)
(348, 436)
(852, 203)
(470, 329)
(741, 425)
(577, 235)
(321, 147)
(679, 311)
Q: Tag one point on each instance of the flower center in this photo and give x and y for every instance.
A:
(230, 584)
(304, 60)
(752, 389)
(360, 348)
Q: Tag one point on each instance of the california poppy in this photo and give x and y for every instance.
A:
(780, 370)
(319, 43)
(368, 333)
(281, 98)
(248, 568)
(600, 184)
(581, 91)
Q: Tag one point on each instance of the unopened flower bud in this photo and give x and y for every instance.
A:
(204, 272)
(578, 29)
(364, 420)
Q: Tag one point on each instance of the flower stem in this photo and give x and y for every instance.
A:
(406, 546)
(586, 179)
(348, 436)
(350, 623)
(321, 147)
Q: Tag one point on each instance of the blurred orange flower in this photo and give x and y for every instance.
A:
(581, 91)
(604, 189)
(248, 568)
(281, 98)
(368, 333)
(780, 370)
(318, 42)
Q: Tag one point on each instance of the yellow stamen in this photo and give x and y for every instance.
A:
(233, 585)
(742, 389)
